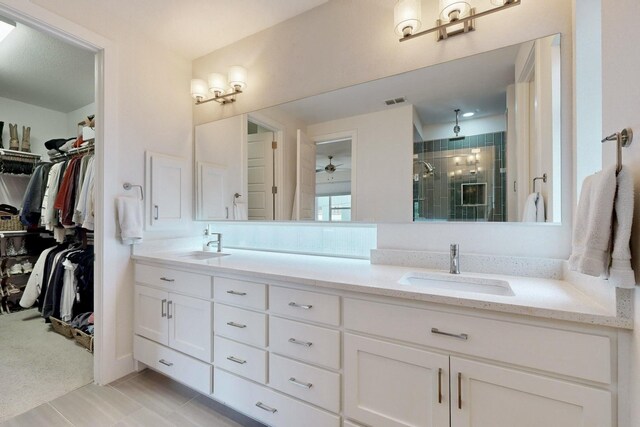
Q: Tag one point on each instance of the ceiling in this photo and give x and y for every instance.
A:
(41, 70)
(476, 83)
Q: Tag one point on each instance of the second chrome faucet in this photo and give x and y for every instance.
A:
(454, 258)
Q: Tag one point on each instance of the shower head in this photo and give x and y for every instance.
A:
(428, 168)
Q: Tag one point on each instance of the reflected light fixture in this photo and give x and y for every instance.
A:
(456, 128)
(455, 17)
(224, 88)
(468, 114)
(406, 17)
(6, 26)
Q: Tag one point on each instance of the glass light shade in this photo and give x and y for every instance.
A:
(238, 76)
(406, 17)
(498, 2)
(6, 26)
(198, 88)
(217, 83)
(453, 9)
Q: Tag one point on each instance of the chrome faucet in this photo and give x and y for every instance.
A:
(454, 258)
(217, 241)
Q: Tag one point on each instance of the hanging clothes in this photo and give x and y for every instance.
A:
(32, 201)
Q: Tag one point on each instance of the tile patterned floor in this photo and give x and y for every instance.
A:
(145, 399)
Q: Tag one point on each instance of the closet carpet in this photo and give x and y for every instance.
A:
(36, 364)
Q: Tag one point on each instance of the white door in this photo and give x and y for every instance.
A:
(168, 191)
(212, 192)
(260, 170)
(190, 326)
(484, 395)
(390, 385)
(305, 178)
(150, 314)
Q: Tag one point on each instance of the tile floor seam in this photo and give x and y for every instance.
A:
(59, 413)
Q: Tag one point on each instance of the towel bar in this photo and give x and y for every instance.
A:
(623, 139)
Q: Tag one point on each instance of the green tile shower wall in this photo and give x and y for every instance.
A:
(438, 196)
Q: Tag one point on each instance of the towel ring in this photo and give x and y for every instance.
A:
(624, 139)
(543, 178)
(128, 186)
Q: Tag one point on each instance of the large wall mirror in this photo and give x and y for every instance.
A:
(475, 139)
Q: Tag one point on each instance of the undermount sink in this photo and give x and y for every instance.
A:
(202, 255)
(457, 283)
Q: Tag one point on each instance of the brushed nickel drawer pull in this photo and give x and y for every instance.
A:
(163, 308)
(164, 362)
(237, 293)
(236, 360)
(266, 408)
(164, 279)
(304, 343)
(295, 304)
(439, 385)
(292, 380)
(459, 336)
(236, 325)
(459, 390)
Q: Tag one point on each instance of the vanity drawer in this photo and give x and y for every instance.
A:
(247, 361)
(198, 285)
(268, 406)
(305, 342)
(241, 325)
(310, 306)
(566, 352)
(240, 292)
(306, 382)
(187, 370)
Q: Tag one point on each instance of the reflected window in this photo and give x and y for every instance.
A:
(333, 208)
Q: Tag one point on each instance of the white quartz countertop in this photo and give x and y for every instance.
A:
(544, 298)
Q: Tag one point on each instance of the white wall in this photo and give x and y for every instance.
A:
(621, 108)
(147, 106)
(45, 124)
(382, 160)
(469, 127)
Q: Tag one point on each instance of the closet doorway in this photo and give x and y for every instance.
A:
(47, 175)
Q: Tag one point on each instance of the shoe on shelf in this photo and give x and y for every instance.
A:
(27, 267)
(11, 249)
(23, 247)
(16, 269)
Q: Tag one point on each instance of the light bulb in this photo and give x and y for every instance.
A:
(238, 77)
(217, 84)
(406, 17)
(198, 89)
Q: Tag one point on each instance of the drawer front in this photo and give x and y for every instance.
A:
(268, 406)
(239, 358)
(305, 342)
(305, 305)
(240, 292)
(185, 369)
(241, 325)
(306, 382)
(198, 285)
(566, 352)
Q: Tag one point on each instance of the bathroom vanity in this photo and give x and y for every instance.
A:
(318, 341)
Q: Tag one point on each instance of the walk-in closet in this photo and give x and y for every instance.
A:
(47, 181)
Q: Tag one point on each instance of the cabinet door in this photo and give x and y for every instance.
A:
(190, 326)
(168, 192)
(390, 385)
(489, 396)
(150, 315)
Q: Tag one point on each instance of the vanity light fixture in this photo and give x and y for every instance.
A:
(6, 26)
(224, 88)
(456, 17)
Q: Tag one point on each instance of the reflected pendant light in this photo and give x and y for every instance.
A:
(406, 17)
(453, 10)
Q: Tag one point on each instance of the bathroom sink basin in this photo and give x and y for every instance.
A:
(202, 255)
(457, 283)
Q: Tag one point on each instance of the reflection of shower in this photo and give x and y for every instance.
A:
(428, 170)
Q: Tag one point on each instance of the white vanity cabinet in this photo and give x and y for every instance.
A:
(402, 384)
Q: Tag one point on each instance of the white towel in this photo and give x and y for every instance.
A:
(130, 219)
(593, 224)
(240, 211)
(621, 274)
(534, 208)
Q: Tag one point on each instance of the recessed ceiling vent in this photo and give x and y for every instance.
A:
(395, 101)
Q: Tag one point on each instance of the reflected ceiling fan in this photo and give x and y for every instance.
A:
(330, 168)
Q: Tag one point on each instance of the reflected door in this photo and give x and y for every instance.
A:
(306, 178)
(260, 177)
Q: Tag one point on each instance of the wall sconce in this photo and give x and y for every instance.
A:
(456, 17)
(6, 26)
(224, 88)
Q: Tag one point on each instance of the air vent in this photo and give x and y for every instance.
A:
(395, 101)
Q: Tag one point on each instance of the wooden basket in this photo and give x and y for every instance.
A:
(61, 327)
(83, 339)
(10, 223)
